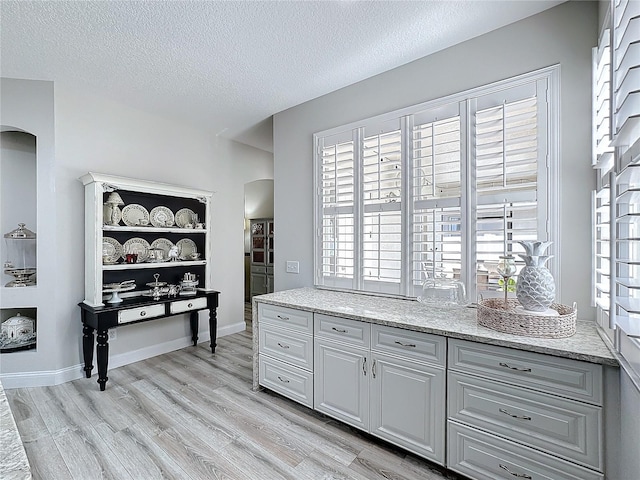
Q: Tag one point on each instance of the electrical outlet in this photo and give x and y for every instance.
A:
(293, 266)
(112, 334)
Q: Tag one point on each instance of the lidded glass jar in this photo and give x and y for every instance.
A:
(443, 292)
(21, 256)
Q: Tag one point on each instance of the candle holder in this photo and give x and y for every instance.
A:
(507, 269)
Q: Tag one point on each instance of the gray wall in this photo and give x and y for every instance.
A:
(562, 35)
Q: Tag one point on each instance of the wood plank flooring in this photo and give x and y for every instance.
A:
(189, 414)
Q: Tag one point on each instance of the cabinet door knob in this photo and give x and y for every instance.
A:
(189, 305)
(364, 367)
(143, 313)
(517, 369)
(373, 368)
(518, 475)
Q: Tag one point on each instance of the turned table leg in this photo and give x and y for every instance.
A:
(102, 357)
(87, 349)
(193, 319)
(213, 328)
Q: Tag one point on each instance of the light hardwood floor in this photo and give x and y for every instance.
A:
(192, 415)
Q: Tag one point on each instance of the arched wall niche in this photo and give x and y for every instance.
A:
(18, 185)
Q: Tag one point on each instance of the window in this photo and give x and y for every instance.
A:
(440, 189)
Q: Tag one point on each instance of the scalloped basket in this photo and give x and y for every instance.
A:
(493, 314)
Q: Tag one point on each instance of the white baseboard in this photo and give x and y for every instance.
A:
(56, 377)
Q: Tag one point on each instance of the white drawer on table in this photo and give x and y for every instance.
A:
(290, 381)
(560, 426)
(287, 317)
(287, 345)
(188, 305)
(417, 345)
(559, 376)
(482, 456)
(345, 330)
(140, 313)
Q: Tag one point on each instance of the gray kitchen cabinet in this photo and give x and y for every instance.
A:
(261, 255)
(386, 381)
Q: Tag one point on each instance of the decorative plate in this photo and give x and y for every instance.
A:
(132, 215)
(186, 247)
(111, 250)
(164, 245)
(139, 246)
(185, 216)
(161, 217)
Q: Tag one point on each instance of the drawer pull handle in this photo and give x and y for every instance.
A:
(364, 367)
(519, 475)
(282, 318)
(143, 313)
(283, 380)
(339, 330)
(282, 346)
(518, 369)
(519, 417)
(373, 368)
(409, 345)
(189, 305)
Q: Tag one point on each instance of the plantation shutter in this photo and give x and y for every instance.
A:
(337, 211)
(382, 204)
(626, 71)
(510, 156)
(436, 196)
(602, 151)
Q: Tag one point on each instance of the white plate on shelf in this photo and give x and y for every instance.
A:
(186, 247)
(164, 245)
(161, 217)
(139, 246)
(112, 251)
(133, 214)
(185, 216)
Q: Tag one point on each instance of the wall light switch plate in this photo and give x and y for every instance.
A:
(112, 334)
(293, 266)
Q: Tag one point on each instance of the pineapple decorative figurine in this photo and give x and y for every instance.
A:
(536, 288)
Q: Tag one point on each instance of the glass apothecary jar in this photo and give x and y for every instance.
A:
(20, 261)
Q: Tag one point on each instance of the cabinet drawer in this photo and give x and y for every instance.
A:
(416, 345)
(287, 317)
(482, 456)
(288, 346)
(187, 305)
(345, 330)
(562, 427)
(559, 376)
(140, 313)
(258, 269)
(292, 382)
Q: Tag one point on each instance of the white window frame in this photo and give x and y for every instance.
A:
(546, 80)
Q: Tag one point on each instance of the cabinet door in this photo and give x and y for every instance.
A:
(341, 382)
(408, 405)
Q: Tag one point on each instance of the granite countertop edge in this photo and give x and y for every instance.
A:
(586, 345)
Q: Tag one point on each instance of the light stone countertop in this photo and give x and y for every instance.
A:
(585, 345)
(13, 459)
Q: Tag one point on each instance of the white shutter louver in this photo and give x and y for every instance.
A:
(506, 167)
(602, 151)
(626, 72)
(437, 235)
(337, 210)
(382, 204)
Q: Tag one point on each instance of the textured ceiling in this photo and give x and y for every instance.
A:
(228, 66)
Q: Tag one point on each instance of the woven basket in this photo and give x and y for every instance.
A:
(492, 313)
